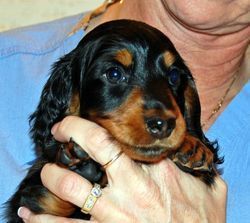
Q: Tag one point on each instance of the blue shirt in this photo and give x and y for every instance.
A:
(26, 56)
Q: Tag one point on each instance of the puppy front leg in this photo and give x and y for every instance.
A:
(32, 194)
(73, 157)
(196, 158)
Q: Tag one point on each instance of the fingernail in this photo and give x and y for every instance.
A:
(23, 213)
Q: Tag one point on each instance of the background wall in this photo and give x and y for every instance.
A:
(16, 13)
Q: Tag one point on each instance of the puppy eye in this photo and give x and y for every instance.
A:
(114, 75)
(174, 77)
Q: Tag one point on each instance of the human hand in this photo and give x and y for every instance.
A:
(135, 193)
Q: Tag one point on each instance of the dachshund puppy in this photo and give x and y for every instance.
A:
(127, 77)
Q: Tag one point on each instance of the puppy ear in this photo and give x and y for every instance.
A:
(192, 115)
(192, 109)
(55, 99)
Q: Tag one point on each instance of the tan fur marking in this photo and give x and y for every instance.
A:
(190, 99)
(74, 108)
(124, 57)
(178, 134)
(164, 114)
(52, 204)
(169, 58)
(127, 125)
(188, 146)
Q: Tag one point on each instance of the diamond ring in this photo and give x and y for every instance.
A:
(90, 201)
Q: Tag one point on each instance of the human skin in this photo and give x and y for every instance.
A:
(164, 190)
(213, 38)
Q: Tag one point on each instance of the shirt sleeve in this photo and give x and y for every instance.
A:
(232, 130)
(26, 56)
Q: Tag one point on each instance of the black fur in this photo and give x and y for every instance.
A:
(81, 72)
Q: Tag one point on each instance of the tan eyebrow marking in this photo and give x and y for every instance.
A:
(124, 57)
(169, 58)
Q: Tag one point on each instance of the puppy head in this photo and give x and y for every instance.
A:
(128, 77)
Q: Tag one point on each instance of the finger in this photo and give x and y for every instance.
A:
(93, 139)
(65, 184)
(220, 187)
(61, 130)
(71, 187)
(29, 217)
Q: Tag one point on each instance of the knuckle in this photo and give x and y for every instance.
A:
(223, 185)
(167, 172)
(98, 137)
(65, 123)
(169, 168)
(68, 186)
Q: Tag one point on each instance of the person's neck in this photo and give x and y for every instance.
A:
(212, 59)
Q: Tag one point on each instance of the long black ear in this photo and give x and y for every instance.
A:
(192, 115)
(192, 109)
(62, 91)
(55, 99)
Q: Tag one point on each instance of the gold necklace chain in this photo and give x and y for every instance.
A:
(221, 101)
(84, 22)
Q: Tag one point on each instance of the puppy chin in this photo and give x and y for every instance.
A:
(156, 151)
(146, 154)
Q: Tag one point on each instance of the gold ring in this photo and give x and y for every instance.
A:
(112, 160)
(90, 201)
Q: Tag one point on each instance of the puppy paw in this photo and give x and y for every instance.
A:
(72, 156)
(194, 155)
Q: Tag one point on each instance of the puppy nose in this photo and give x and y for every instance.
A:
(160, 128)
